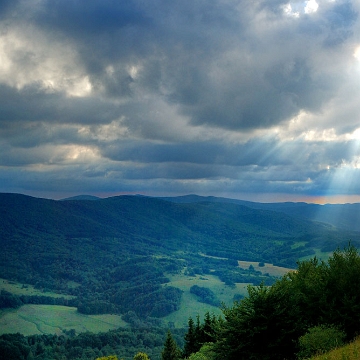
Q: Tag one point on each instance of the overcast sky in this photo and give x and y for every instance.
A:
(255, 99)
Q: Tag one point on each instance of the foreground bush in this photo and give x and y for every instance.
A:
(268, 323)
(319, 340)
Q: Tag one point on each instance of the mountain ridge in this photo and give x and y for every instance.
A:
(122, 251)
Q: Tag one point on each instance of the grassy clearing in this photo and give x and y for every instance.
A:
(319, 254)
(25, 289)
(347, 352)
(189, 303)
(268, 268)
(53, 319)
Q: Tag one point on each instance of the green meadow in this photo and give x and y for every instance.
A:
(190, 306)
(53, 319)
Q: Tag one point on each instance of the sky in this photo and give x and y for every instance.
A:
(255, 100)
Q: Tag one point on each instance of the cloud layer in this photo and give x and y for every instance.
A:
(215, 97)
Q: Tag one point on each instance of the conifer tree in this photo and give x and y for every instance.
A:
(208, 329)
(190, 338)
(170, 350)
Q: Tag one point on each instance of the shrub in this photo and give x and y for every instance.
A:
(320, 339)
(141, 356)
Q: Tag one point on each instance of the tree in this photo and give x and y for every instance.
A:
(170, 350)
(141, 356)
(318, 340)
(190, 338)
(261, 326)
(342, 278)
(199, 334)
(208, 333)
(205, 353)
(269, 321)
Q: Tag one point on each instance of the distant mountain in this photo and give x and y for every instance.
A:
(119, 250)
(81, 197)
(192, 198)
(343, 216)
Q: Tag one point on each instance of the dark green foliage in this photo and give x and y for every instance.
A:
(14, 350)
(268, 322)
(119, 251)
(205, 295)
(261, 326)
(190, 340)
(108, 246)
(342, 290)
(208, 329)
(8, 300)
(319, 340)
(199, 334)
(114, 228)
(123, 343)
(237, 275)
(171, 351)
(238, 297)
(328, 293)
(149, 300)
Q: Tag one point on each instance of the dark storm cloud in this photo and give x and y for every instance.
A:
(178, 96)
(6, 6)
(207, 58)
(262, 153)
(78, 20)
(340, 20)
(33, 103)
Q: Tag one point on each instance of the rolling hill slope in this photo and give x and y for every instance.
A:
(121, 250)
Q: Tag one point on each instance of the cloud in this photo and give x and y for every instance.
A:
(177, 96)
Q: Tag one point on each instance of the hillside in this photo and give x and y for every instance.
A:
(127, 254)
(349, 351)
(343, 216)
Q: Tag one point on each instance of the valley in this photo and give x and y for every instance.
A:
(129, 263)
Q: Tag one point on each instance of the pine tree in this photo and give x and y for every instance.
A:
(171, 350)
(190, 338)
(208, 329)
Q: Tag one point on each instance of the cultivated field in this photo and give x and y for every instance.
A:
(267, 268)
(53, 319)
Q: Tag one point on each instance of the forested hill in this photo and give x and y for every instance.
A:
(120, 250)
(343, 216)
(216, 228)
